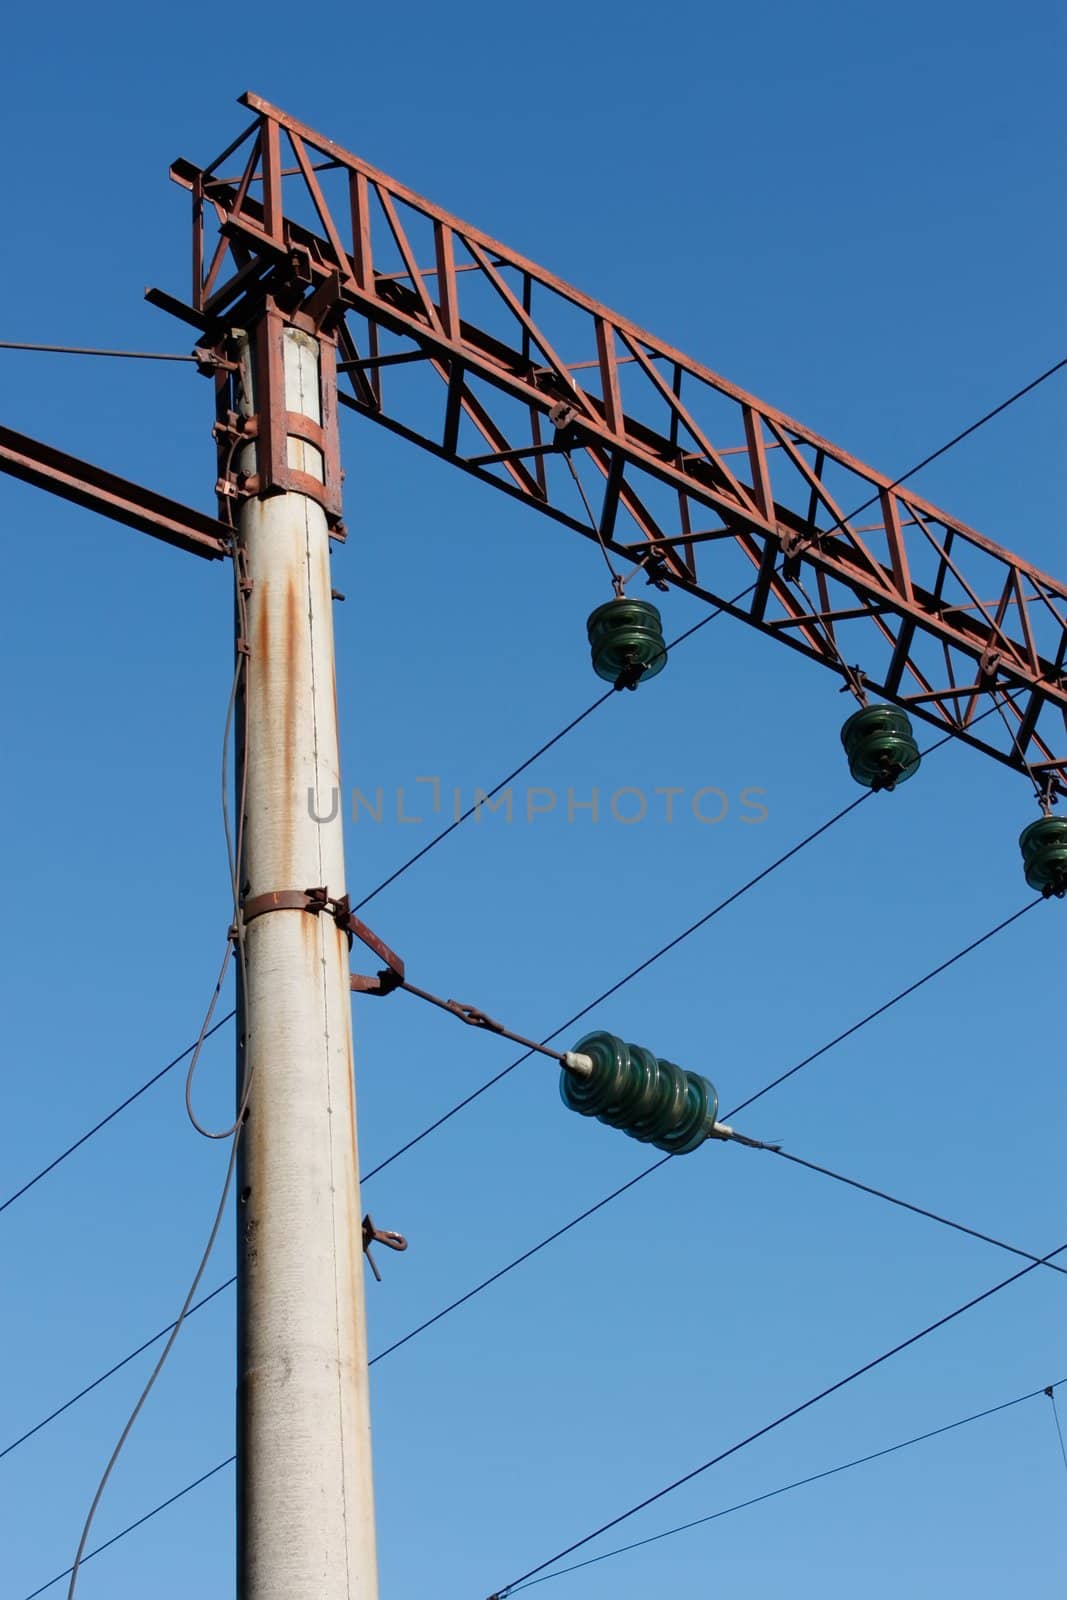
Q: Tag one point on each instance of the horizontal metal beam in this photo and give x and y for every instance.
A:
(98, 490)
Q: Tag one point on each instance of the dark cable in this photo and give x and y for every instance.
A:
(957, 439)
(77, 350)
(880, 1010)
(798, 1483)
(69, 1151)
(89, 1387)
(906, 1205)
(787, 1416)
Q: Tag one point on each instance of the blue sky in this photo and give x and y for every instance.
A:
(854, 215)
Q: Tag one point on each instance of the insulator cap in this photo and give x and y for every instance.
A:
(1044, 851)
(880, 746)
(626, 639)
(649, 1099)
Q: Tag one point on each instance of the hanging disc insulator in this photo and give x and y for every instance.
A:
(1044, 850)
(626, 638)
(651, 1100)
(880, 746)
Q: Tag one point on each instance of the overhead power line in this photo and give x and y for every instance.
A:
(615, 1194)
(133, 1526)
(643, 966)
(634, 972)
(111, 1115)
(404, 867)
(491, 794)
(534, 1578)
(935, 972)
(778, 1422)
(959, 437)
(797, 1483)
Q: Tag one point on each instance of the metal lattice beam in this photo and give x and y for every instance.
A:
(463, 346)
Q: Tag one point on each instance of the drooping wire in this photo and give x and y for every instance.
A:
(779, 1421)
(786, 1488)
(233, 1133)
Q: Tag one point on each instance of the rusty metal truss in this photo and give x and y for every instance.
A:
(461, 345)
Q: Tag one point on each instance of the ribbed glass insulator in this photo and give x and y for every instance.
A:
(880, 746)
(1044, 851)
(626, 640)
(652, 1100)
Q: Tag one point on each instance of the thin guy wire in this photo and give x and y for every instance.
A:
(1051, 1392)
(785, 1488)
(787, 1416)
(78, 350)
(540, 751)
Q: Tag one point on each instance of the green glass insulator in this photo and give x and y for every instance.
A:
(1044, 851)
(626, 639)
(880, 746)
(652, 1100)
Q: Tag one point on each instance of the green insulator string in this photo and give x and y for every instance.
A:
(632, 1090)
(880, 746)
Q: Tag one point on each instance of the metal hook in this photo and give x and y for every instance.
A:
(373, 1235)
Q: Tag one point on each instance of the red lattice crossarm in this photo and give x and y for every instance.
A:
(463, 346)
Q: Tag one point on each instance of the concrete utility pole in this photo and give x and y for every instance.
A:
(305, 1514)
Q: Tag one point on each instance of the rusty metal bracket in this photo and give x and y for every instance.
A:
(386, 1236)
(318, 899)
